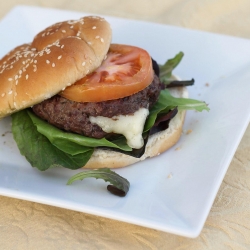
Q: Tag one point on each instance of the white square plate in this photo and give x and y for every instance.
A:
(180, 204)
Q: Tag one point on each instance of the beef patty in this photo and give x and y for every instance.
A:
(74, 116)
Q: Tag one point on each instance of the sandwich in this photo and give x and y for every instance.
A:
(78, 100)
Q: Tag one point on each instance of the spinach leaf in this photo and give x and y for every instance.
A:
(38, 150)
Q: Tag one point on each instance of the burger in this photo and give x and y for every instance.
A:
(76, 99)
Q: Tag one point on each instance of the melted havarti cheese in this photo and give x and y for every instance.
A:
(131, 126)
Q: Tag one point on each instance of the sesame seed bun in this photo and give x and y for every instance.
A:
(57, 57)
(157, 143)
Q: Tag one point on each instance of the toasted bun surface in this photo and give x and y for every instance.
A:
(57, 57)
(157, 143)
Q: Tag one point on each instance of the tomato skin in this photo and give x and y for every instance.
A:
(126, 71)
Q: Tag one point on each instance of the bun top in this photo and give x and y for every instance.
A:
(57, 57)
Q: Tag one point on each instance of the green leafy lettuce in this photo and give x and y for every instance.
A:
(45, 146)
(120, 185)
(37, 148)
(167, 68)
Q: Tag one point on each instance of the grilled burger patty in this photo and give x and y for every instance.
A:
(74, 116)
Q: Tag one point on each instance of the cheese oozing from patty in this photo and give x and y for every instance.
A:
(131, 126)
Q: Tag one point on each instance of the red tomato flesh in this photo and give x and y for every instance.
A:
(126, 71)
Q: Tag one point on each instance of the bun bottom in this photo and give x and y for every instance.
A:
(157, 143)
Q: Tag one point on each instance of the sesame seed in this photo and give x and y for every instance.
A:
(97, 37)
(83, 64)
(89, 43)
(53, 65)
(71, 26)
(20, 71)
(10, 79)
(3, 94)
(102, 40)
(10, 92)
(27, 76)
(16, 82)
(35, 61)
(63, 31)
(59, 57)
(94, 27)
(62, 46)
(47, 61)
(16, 77)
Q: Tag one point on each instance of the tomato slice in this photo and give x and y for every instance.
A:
(126, 71)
